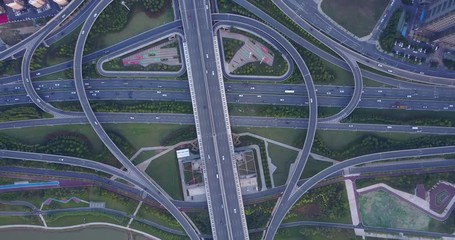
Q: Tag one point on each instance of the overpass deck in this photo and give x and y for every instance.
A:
(212, 122)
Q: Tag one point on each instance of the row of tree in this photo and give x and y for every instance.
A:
(230, 47)
(15, 113)
(390, 34)
(450, 64)
(10, 67)
(372, 144)
(366, 116)
(270, 110)
(319, 71)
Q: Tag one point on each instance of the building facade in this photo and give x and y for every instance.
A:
(61, 2)
(437, 22)
(37, 3)
(439, 16)
(15, 4)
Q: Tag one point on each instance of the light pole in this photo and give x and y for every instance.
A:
(123, 3)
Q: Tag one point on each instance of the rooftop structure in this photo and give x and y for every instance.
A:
(437, 23)
(61, 2)
(438, 16)
(448, 40)
(15, 4)
(37, 3)
(183, 153)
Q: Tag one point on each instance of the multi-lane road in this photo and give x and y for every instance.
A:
(216, 148)
(138, 175)
(422, 97)
(207, 93)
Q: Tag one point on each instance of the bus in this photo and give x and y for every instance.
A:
(288, 91)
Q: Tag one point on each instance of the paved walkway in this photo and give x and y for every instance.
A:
(352, 198)
(261, 169)
(272, 167)
(134, 214)
(323, 158)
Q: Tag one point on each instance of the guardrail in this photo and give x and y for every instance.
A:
(199, 134)
(229, 136)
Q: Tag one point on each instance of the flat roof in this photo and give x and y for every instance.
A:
(183, 153)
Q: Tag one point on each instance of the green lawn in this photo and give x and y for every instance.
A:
(382, 209)
(339, 140)
(139, 135)
(13, 208)
(10, 220)
(37, 135)
(51, 57)
(405, 117)
(75, 218)
(312, 167)
(328, 111)
(142, 134)
(282, 158)
(155, 232)
(447, 226)
(138, 23)
(113, 200)
(357, 16)
(370, 83)
(53, 76)
(159, 216)
(71, 204)
(143, 156)
(292, 137)
(164, 170)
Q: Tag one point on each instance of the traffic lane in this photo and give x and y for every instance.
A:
(273, 227)
(370, 50)
(50, 25)
(402, 166)
(187, 119)
(204, 116)
(424, 92)
(301, 160)
(219, 118)
(281, 89)
(140, 176)
(414, 103)
(150, 35)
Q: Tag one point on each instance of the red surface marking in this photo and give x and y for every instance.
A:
(4, 19)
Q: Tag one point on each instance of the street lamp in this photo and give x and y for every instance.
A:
(123, 3)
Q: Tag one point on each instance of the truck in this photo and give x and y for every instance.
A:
(289, 91)
(398, 105)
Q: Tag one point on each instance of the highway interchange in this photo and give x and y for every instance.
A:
(213, 120)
